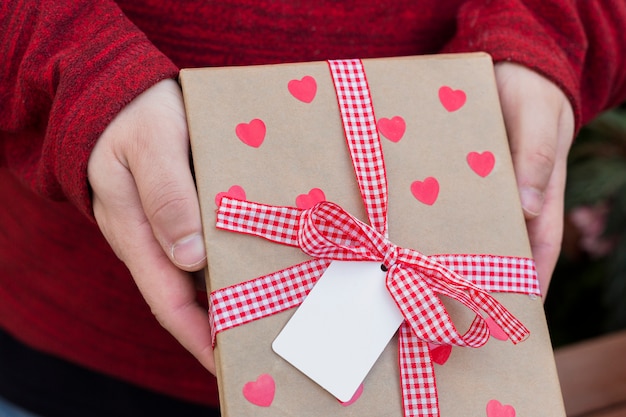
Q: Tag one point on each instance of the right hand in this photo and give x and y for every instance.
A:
(145, 203)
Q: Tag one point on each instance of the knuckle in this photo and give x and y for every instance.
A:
(168, 314)
(100, 215)
(535, 165)
(544, 156)
(167, 206)
(111, 237)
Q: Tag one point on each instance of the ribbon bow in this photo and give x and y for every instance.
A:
(327, 232)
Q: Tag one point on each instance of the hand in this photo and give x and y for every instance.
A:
(145, 203)
(540, 125)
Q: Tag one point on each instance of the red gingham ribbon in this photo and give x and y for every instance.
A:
(327, 232)
(361, 132)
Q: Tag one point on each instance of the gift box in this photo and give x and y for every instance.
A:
(401, 163)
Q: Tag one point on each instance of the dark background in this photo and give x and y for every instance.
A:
(587, 297)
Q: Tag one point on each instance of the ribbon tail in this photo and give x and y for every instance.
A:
(514, 328)
(447, 282)
(417, 375)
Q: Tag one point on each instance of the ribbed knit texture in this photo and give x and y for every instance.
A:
(68, 67)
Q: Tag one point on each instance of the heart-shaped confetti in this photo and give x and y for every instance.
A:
(481, 163)
(495, 330)
(426, 191)
(260, 392)
(252, 134)
(355, 397)
(439, 353)
(452, 100)
(235, 192)
(303, 89)
(496, 409)
(393, 129)
(305, 201)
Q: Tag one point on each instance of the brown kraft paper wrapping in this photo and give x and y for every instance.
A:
(304, 148)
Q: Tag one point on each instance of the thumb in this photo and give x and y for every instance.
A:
(540, 125)
(531, 114)
(164, 180)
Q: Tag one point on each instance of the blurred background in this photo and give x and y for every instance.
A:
(586, 304)
(587, 297)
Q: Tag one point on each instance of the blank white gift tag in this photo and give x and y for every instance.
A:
(341, 328)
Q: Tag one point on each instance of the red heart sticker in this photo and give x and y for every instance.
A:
(305, 201)
(426, 191)
(439, 353)
(252, 134)
(303, 89)
(355, 397)
(452, 100)
(260, 392)
(495, 409)
(393, 129)
(235, 192)
(481, 163)
(495, 330)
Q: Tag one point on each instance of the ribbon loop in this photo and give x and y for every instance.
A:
(327, 231)
(416, 297)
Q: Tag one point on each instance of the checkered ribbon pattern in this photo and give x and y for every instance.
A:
(326, 232)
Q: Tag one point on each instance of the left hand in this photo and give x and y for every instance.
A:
(540, 125)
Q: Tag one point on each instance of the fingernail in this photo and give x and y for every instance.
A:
(189, 251)
(532, 200)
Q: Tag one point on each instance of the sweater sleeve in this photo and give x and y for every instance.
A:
(67, 67)
(579, 45)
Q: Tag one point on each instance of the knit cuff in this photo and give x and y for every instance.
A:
(508, 31)
(88, 97)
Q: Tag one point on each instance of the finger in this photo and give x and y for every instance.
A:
(531, 117)
(546, 230)
(159, 164)
(171, 295)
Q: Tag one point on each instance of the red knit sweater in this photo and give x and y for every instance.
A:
(68, 66)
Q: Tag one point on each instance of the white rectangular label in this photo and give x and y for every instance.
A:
(339, 331)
